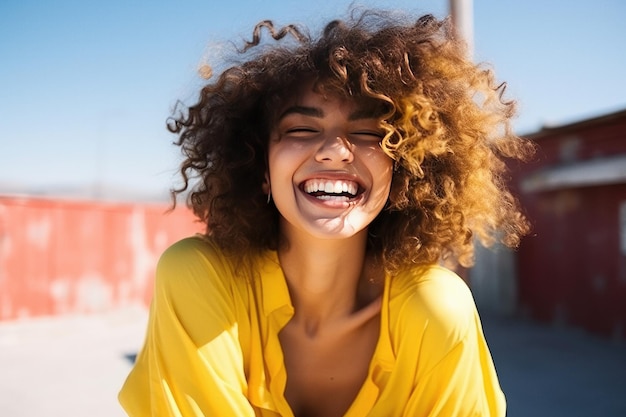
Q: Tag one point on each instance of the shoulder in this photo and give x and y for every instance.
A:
(195, 249)
(192, 262)
(196, 288)
(434, 301)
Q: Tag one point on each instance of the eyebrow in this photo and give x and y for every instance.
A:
(303, 110)
(359, 114)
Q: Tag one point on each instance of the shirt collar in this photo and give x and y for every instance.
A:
(274, 285)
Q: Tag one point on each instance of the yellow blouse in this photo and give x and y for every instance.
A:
(212, 346)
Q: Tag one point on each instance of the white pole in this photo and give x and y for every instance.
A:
(463, 20)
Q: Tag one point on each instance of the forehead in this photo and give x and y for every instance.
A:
(316, 101)
(319, 102)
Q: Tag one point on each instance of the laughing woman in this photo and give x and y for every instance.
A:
(336, 176)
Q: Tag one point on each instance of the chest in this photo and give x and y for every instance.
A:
(325, 373)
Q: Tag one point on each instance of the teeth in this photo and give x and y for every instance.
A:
(332, 197)
(331, 187)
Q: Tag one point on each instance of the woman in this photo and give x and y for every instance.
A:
(335, 176)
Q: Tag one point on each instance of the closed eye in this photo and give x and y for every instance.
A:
(300, 129)
(300, 132)
(369, 135)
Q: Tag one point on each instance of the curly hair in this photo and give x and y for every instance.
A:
(448, 131)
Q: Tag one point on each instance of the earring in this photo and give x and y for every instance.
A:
(267, 184)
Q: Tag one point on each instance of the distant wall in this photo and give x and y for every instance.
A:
(572, 267)
(60, 257)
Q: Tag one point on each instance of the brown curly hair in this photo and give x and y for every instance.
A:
(448, 131)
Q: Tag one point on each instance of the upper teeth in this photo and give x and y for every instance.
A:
(329, 186)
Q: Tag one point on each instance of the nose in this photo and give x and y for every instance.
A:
(335, 150)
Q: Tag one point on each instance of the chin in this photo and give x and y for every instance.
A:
(335, 228)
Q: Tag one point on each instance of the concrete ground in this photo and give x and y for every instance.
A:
(67, 366)
(74, 366)
(557, 372)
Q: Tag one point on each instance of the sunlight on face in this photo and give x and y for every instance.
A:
(329, 177)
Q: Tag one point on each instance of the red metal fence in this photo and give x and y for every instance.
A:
(59, 256)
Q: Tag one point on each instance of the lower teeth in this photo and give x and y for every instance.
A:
(332, 197)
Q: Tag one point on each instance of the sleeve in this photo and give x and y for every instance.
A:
(462, 384)
(191, 363)
(454, 374)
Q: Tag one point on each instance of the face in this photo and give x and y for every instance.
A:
(329, 178)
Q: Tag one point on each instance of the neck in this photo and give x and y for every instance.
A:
(328, 279)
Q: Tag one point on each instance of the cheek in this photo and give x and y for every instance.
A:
(380, 165)
(281, 161)
(275, 154)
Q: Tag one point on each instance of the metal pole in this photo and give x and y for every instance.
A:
(463, 20)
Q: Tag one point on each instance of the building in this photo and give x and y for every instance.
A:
(571, 270)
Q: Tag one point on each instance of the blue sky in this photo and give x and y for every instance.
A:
(85, 86)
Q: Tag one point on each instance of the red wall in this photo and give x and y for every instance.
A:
(59, 257)
(571, 269)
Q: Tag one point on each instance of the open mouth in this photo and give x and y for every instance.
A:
(332, 190)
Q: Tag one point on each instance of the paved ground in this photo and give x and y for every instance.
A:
(74, 366)
(557, 372)
(67, 367)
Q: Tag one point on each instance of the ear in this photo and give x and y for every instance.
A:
(266, 183)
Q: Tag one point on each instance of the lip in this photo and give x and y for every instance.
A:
(333, 176)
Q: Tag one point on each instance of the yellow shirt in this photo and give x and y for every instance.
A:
(212, 346)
